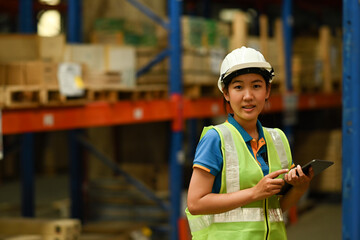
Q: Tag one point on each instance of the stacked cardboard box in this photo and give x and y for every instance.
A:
(29, 68)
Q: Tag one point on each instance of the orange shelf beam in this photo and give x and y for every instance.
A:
(128, 112)
(318, 101)
(202, 108)
(90, 115)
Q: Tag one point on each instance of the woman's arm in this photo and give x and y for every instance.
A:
(202, 201)
(300, 182)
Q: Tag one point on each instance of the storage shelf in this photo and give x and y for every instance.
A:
(128, 112)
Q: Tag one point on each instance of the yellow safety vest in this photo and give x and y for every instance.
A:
(260, 220)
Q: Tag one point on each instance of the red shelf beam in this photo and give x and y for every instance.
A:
(128, 112)
(318, 101)
(91, 115)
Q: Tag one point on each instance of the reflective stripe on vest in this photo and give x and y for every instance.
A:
(232, 160)
(235, 215)
(280, 149)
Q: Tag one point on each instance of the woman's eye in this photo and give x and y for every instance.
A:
(237, 87)
(257, 86)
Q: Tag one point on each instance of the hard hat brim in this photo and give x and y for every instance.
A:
(237, 67)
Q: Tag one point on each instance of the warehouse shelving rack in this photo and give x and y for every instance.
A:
(176, 109)
(351, 120)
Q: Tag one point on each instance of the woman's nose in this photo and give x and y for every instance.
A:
(248, 94)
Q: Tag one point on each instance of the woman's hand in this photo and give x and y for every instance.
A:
(269, 185)
(298, 178)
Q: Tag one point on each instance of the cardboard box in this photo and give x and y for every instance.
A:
(29, 47)
(92, 55)
(2, 74)
(18, 47)
(29, 73)
(50, 73)
(123, 60)
(51, 48)
(15, 73)
(33, 72)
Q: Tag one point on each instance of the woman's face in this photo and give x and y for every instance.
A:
(247, 95)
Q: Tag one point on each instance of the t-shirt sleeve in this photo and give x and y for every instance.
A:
(208, 154)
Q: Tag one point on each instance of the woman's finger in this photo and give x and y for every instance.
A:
(300, 171)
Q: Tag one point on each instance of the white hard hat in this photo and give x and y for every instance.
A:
(243, 58)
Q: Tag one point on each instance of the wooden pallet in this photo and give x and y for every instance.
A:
(26, 96)
(113, 93)
(51, 96)
(22, 96)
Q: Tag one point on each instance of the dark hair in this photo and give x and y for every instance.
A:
(262, 71)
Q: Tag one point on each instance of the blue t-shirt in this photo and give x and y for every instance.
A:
(208, 154)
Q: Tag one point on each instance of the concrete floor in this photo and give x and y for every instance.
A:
(323, 221)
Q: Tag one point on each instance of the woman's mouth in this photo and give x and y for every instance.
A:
(248, 107)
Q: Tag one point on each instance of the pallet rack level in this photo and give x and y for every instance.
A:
(132, 112)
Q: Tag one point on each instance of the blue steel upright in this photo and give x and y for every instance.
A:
(175, 88)
(76, 175)
(26, 25)
(175, 10)
(351, 121)
(27, 175)
(74, 31)
(176, 152)
(26, 16)
(74, 21)
(287, 20)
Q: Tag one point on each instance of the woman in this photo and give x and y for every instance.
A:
(239, 166)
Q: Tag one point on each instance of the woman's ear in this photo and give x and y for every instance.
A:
(226, 95)
(268, 90)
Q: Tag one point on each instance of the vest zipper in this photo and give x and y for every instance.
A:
(267, 220)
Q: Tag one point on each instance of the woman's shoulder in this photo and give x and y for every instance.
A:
(211, 134)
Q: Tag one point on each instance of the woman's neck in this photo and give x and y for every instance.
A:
(251, 129)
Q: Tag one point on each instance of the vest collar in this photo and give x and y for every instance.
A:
(244, 134)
